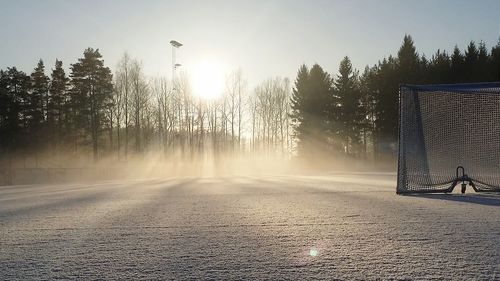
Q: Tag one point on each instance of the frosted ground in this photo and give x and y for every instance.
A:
(344, 226)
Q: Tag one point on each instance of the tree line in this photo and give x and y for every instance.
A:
(94, 111)
(357, 114)
(37, 111)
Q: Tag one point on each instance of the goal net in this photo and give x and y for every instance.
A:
(449, 135)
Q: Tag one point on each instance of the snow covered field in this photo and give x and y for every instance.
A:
(343, 226)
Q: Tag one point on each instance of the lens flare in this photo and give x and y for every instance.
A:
(313, 252)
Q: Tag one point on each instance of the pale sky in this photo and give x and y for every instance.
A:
(263, 38)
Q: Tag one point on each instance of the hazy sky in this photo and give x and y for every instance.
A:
(264, 38)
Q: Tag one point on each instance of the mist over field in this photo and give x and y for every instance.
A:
(70, 169)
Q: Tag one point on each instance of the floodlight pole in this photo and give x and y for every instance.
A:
(175, 45)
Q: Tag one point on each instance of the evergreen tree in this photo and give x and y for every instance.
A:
(423, 70)
(38, 102)
(385, 101)
(367, 100)
(299, 98)
(350, 113)
(311, 101)
(5, 106)
(471, 61)
(440, 68)
(391, 73)
(457, 65)
(408, 61)
(14, 97)
(484, 72)
(495, 61)
(58, 109)
(92, 90)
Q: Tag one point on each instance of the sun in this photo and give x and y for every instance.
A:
(207, 78)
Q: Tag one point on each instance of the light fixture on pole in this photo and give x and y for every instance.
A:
(175, 45)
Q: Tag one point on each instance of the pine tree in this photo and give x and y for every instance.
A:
(38, 97)
(311, 101)
(440, 68)
(5, 107)
(58, 109)
(471, 60)
(423, 70)
(368, 101)
(495, 61)
(457, 65)
(349, 109)
(91, 94)
(484, 71)
(37, 108)
(14, 98)
(298, 101)
(408, 61)
(386, 105)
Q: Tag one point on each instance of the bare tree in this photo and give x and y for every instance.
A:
(270, 118)
(169, 114)
(235, 87)
(162, 91)
(139, 100)
(122, 94)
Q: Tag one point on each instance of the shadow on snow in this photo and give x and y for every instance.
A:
(489, 199)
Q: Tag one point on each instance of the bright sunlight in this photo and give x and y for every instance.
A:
(208, 78)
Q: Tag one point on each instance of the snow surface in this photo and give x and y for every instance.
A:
(343, 226)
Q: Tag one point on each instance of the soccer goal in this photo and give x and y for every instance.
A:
(449, 135)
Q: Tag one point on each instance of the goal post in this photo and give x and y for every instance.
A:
(449, 135)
